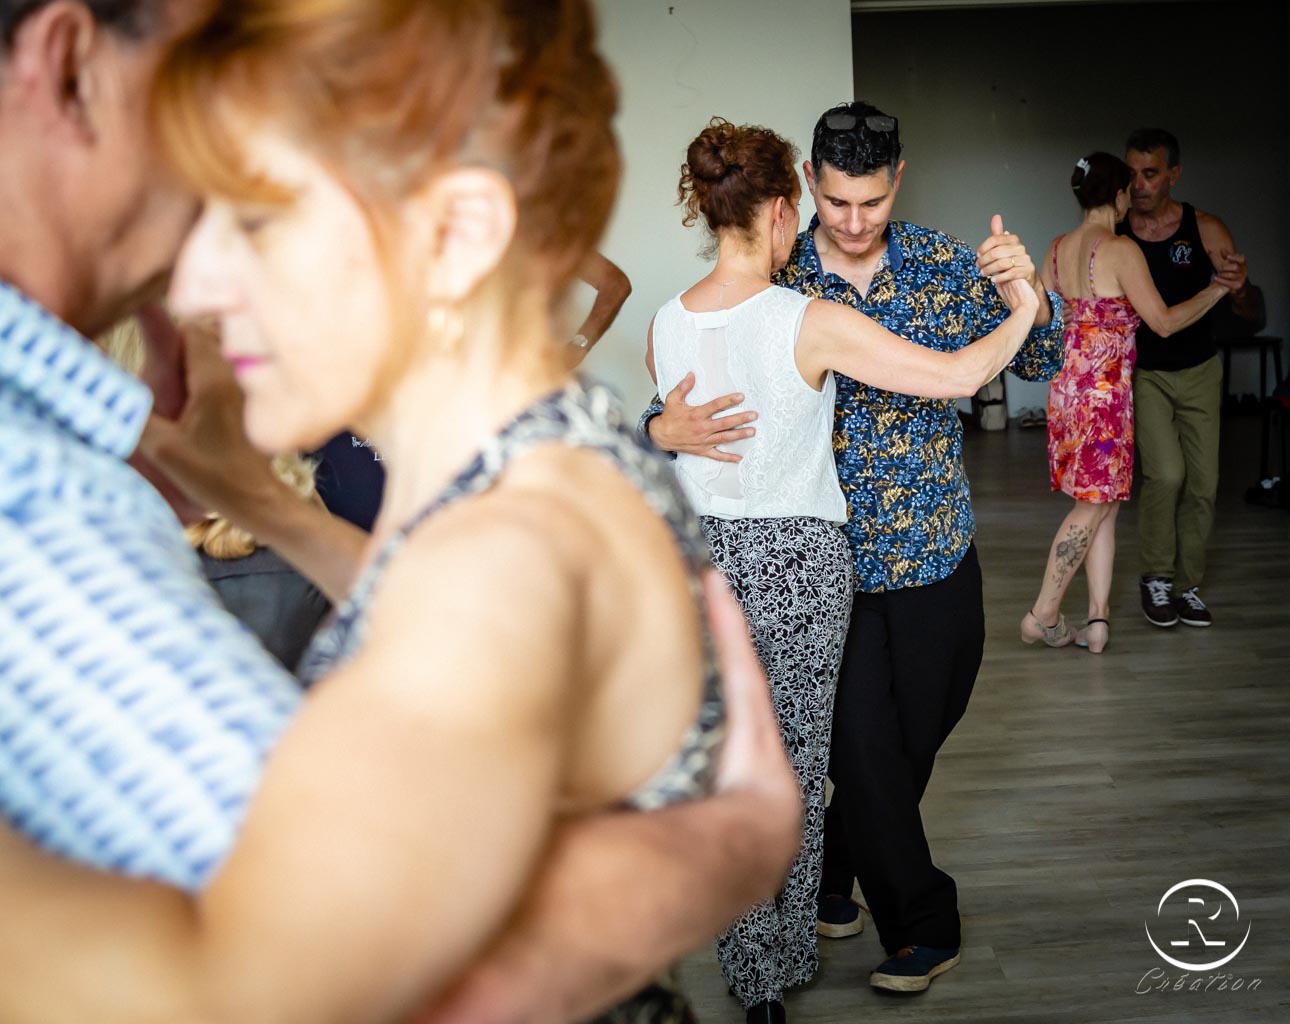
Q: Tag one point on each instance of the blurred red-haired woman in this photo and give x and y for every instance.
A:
(396, 194)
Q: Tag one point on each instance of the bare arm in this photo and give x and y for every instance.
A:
(342, 900)
(205, 452)
(1135, 280)
(612, 289)
(1229, 265)
(621, 895)
(837, 337)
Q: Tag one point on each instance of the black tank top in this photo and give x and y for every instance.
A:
(1180, 268)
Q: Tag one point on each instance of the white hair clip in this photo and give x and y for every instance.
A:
(1082, 164)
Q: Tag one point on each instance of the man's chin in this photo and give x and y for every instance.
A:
(853, 248)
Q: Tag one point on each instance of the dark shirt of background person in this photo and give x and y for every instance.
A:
(350, 479)
(274, 601)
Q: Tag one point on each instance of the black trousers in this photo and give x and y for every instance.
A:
(908, 670)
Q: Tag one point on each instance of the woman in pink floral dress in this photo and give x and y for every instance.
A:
(1108, 290)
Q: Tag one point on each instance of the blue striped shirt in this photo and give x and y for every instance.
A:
(135, 713)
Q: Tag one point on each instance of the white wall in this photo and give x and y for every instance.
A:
(678, 63)
(996, 106)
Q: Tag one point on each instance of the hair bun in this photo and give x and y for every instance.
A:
(1098, 178)
(714, 157)
(730, 169)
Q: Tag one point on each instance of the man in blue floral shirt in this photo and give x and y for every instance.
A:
(918, 623)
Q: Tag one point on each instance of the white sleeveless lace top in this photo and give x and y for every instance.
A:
(787, 467)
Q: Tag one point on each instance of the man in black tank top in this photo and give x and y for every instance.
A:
(1177, 382)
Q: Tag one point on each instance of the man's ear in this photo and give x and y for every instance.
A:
(464, 222)
(900, 173)
(809, 173)
(51, 65)
(1174, 172)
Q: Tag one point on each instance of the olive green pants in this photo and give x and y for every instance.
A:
(1175, 416)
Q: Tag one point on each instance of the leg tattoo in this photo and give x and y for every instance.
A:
(1070, 552)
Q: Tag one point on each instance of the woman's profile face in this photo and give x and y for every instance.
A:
(299, 293)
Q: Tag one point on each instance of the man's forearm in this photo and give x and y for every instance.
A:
(620, 897)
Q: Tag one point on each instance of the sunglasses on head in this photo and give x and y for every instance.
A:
(844, 122)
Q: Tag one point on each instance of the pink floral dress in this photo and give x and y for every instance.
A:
(1090, 401)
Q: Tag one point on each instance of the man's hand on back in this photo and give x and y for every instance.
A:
(698, 429)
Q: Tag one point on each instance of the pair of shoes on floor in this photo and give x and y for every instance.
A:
(1032, 417)
(1032, 631)
(767, 1013)
(913, 968)
(1095, 635)
(838, 917)
(1162, 608)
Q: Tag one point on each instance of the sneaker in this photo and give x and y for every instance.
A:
(913, 968)
(1191, 609)
(1157, 600)
(837, 917)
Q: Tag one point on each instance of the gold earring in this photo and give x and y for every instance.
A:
(446, 327)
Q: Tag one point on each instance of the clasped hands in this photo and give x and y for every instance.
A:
(1230, 271)
(1004, 260)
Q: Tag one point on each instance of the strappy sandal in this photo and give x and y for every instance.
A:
(1094, 640)
(1032, 631)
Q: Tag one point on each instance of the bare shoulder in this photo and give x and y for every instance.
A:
(1205, 219)
(1120, 246)
(559, 512)
(483, 592)
(522, 534)
(825, 313)
(1212, 230)
(577, 490)
(622, 552)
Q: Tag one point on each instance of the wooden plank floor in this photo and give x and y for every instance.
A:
(1079, 788)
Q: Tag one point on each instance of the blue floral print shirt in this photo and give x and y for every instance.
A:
(900, 459)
